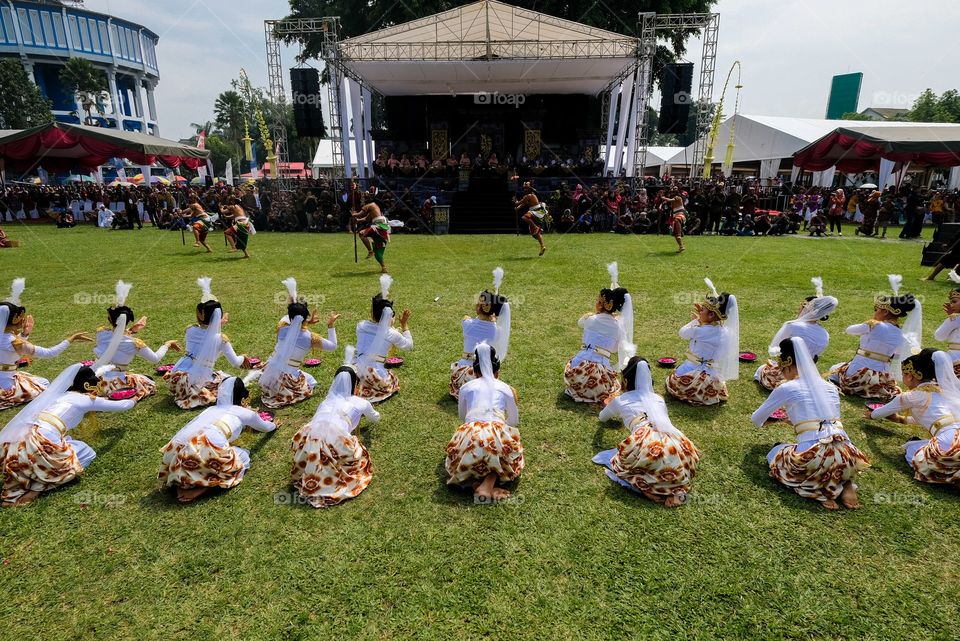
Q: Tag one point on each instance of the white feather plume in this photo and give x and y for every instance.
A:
(252, 376)
(713, 290)
(348, 354)
(100, 371)
(122, 290)
(291, 285)
(497, 279)
(817, 285)
(954, 276)
(386, 280)
(204, 284)
(896, 280)
(16, 289)
(614, 270)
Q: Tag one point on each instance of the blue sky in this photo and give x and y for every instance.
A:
(789, 49)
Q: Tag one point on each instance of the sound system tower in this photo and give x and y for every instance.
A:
(675, 103)
(307, 116)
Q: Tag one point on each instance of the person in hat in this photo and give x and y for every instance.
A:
(330, 464)
(949, 330)
(823, 464)
(36, 452)
(200, 456)
(374, 229)
(870, 207)
(713, 359)
(814, 310)
(283, 383)
(656, 459)
(374, 340)
(194, 381)
(933, 404)
(589, 377)
(874, 371)
(486, 448)
(533, 212)
(491, 325)
(119, 378)
(19, 387)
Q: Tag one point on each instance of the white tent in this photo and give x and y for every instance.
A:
(323, 159)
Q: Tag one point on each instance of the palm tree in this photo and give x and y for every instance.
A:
(87, 83)
(229, 113)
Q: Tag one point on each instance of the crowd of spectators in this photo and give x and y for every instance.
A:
(417, 165)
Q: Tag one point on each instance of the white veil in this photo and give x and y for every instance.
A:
(485, 400)
(380, 344)
(653, 403)
(912, 340)
(18, 428)
(202, 420)
(827, 408)
(282, 354)
(812, 311)
(502, 341)
(948, 382)
(4, 317)
(626, 348)
(202, 368)
(728, 362)
(328, 422)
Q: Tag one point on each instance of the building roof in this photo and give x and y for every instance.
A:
(886, 112)
(860, 146)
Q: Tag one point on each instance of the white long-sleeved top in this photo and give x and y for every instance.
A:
(476, 331)
(926, 406)
(814, 336)
(193, 341)
(801, 410)
(345, 413)
(67, 412)
(504, 408)
(599, 331)
(875, 336)
(705, 344)
(627, 407)
(367, 332)
(234, 417)
(130, 348)
(306, 341)
(9, 355)
(949, 332)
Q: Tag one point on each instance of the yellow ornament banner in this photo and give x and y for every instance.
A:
(439, 144)
(531, 143)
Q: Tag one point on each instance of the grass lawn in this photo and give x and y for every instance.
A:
(571, 557)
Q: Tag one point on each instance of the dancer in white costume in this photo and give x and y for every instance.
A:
(814, 310)
(374, 339)
(283, 382)
(491, 325)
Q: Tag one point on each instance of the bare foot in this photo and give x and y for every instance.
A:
(675, 501)
(830, 504)
(848, 498)
(500, 494)
(369, 255)
(543, 250)
(25, 499)
(188, 495)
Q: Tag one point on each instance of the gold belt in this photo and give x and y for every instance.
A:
(223, 427)
(639, 418)
(470, 356)
(814, 425)
(877, 356)
(54, 420)
(294, 363)
(693, 358)
(8, 368)
(953, 346)
(942, 422)
(599, 350)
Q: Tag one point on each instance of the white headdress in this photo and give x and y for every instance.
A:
(728, 364)
(824, 394)
(713, 289)
(502, 341)
(380, 345)
(812, 311)
(18, 428)
(291, 285)
(122, 290)
(386, 280)
(205, 292)
(817, 285)
(202, 368)
(626, 347)
(653, 404)
(912, 330)
(276, 364)
(328, 421)
(16, 289)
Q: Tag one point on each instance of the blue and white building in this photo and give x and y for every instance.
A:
(44, 35)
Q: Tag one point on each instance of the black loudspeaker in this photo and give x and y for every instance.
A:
(307, 115)
(676, 101)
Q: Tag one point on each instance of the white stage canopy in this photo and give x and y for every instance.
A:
(488, 46)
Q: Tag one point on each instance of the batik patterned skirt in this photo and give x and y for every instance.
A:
(698, 387)
(590, 382)
(656, 464)
(938, 462)
(329, 471)
(25, 388)
(188, 396)
(200, 463)
(38, 463)
(377, 386)
(287, 391)
(821, 471)
(142, 385)
(865, 382)
(769, 376)
(956, 368)
(480, 448)
(460, 375)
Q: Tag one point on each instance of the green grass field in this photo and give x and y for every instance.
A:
(571, 557)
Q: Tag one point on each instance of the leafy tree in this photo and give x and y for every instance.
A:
(853, 115)
(230, 113)
(82, 78)
(23, 106)
(929, 108)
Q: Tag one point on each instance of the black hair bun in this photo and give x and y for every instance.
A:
(492, 303)
(379, 304)
(494, 362)
(922, 364)
(114, 314)
(354, 378)
(629, 372)
(206, 309)
(84, 378)
(297, 309)
(613, 299)
(240, 391)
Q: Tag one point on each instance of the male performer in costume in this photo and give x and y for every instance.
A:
(532, 211)
(373, 229)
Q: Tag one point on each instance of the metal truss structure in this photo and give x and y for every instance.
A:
(477, 50)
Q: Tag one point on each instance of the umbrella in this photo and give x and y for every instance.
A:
(159, 180)
(122, 183)
(868, 186)
(179, 179)
(197, 181)
(78, 179)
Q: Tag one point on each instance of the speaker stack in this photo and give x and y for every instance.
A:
(307, 116)
(676, 101)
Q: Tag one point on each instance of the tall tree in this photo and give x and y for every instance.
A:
(229, 112)
(23, 106)
(357, 18)
(88, 83)
(927, 108)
